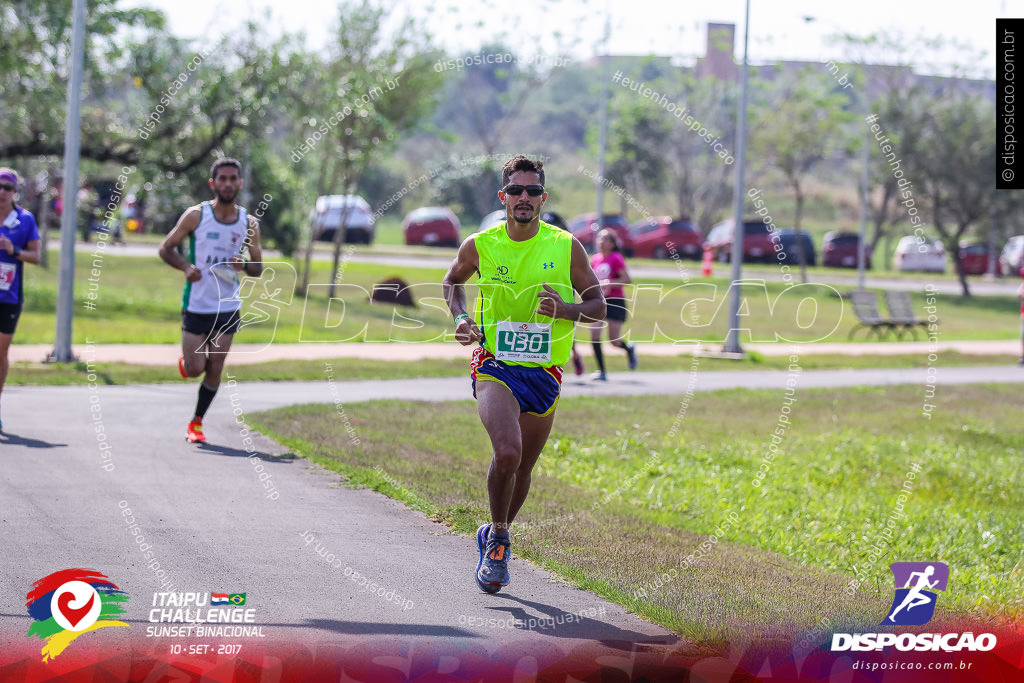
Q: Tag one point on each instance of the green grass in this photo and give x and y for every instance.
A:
(628, 488)
(138, 300)
(346, 369)
(352, 369)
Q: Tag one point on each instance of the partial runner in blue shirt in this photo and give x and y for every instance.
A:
(19, 244)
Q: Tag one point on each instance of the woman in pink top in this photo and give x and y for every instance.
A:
(610, 267)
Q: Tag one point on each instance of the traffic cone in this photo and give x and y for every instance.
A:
(705, 264)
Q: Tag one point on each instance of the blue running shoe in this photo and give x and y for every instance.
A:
(481, 542)
(492, 573)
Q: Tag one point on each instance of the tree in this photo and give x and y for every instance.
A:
(150, 102)
(680, 143)
(468, 188)
(487, 92)
(35, 67)
(902, 112)
(636, 135)
(371, 88)
(955, 172)
(700, 177)
(800, 124)
(901, 101)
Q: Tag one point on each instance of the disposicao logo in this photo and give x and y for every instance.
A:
(914, 602)
(914, 605)
(71, 602)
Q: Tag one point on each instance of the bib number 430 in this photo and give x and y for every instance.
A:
(523, 342)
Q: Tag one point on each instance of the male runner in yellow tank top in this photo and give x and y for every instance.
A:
(524, 321)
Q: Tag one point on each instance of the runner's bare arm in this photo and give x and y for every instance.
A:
(168, 251)
(30, 254)
(584, 281)
(254, 266)
(465, 265)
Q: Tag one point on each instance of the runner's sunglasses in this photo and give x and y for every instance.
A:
(516, 190)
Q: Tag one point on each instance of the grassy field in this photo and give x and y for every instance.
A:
(653, 503)
(137, 300)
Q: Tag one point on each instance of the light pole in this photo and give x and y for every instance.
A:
(603, 138)
(72, 141)
(732, 339)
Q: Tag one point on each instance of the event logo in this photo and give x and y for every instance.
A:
(71, 602)
(914, 605)
(914, 601)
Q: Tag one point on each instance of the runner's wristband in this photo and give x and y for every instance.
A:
(460, 316)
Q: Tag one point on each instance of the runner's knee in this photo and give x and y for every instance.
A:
(195, 364)
(507, 458)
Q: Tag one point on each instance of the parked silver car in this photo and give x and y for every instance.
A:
(1012, 257)
(326, 218)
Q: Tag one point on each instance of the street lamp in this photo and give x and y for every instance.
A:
(62, 352)
(603, 141)
(732, 339)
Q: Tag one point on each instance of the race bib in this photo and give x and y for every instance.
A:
(7, 271)
(225, 273)
(523, 342)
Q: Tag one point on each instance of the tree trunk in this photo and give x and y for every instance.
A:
(952, 244)
(339, 241)
(797, 220)
(963, 278)
(307, 261)
(881, 216)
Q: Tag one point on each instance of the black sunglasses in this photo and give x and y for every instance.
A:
(516, 190)
(5, 186)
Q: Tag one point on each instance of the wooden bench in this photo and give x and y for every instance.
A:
(901, 314)
(865, 307)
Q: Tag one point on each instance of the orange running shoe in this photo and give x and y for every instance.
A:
(181, 366)
(195, 431)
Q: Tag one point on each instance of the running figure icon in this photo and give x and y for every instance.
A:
(915, 597)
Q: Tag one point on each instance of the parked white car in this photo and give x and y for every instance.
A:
(916, 254)
(326, 218)
(1012, 256)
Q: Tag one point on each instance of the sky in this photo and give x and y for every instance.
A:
(780, 29)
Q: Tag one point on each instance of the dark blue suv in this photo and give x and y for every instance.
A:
(789, 254)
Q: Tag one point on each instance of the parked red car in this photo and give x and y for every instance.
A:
(757, 241)
(434, 226)
(839, 250)
(974, 258)
(583, 227)
(661, 236)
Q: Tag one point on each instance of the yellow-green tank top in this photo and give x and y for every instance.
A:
(511, 275)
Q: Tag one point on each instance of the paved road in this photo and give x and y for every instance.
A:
(220, 519)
